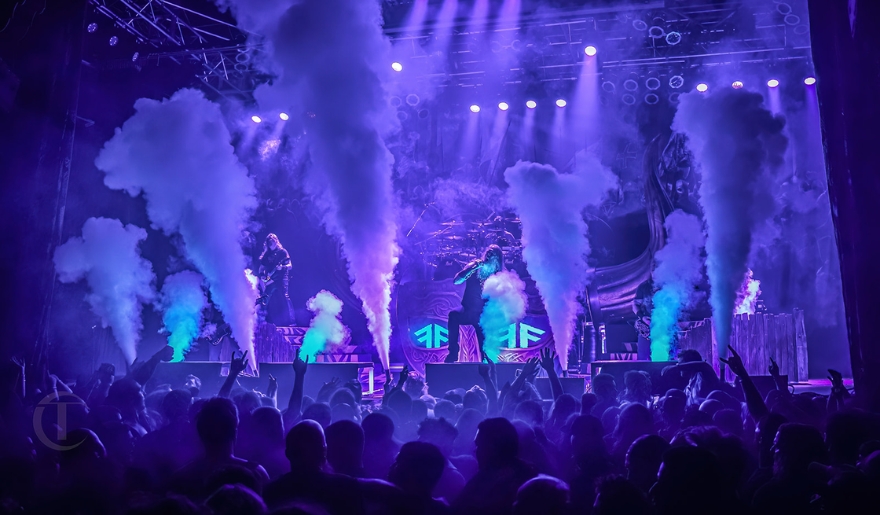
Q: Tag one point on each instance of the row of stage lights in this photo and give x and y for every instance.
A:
(531, 104)
(589, 50)
(772, 83)
(257, 119)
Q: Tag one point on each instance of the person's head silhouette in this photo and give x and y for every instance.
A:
(217, 424)
(345, 447)
(418, 468)
(542, 495)
(305, 447)
(497, 443)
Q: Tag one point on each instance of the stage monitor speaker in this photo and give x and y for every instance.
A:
(575, 386)
(316, 375)
(175, 374)
(659, 384)
(442, 377)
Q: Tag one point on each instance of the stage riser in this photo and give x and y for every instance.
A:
(618, 369)
(210, 375)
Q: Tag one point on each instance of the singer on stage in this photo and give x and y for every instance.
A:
(472, 302)
(274, 270)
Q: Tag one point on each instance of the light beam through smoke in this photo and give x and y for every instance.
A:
(331, 60)
(177, 152)
(677, 271)
(555, 241)
(120, 281)
(326, 329)
(182, 302)
(739, 145)
(506, 305)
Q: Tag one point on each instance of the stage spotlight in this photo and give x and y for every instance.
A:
(396, 66)
(256, 119)
(503, 106)
(475, 108)
(737, 85)
(284, 116)
(113, 40)
(676, 81)
(92, 27)
(561, 103)
(673, 38)
(809, 81)
(773, 83)
(531, 104)
(591, 51)
(702, 87)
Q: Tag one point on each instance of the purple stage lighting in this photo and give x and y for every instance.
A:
(561, 103)
(738, 84)
(531, 104)
(256, 119)
(284, 116)
(702, 87)
(503, 106)
(396, 66)
(590, 51)
(773, 83)
(475, 108)
(809, 81)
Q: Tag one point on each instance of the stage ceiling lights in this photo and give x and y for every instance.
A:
(702, 87)
(475, 108)
(92, 27)
(503, 106)
(531, 104)
(396, 66)
(561, 103)
(737, 84)
(676, 81)
(773, 83)
(591, 51)
(284, 116)
(256, 119)
(809, 81)
(113, 40)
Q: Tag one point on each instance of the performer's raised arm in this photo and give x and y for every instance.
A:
(467, 271)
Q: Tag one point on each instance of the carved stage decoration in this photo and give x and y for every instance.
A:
(756, 338)
(422, 311)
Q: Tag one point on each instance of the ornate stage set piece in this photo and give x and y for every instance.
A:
(756, 338)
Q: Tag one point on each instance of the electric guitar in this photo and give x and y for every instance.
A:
(265, 281)
(643, 326)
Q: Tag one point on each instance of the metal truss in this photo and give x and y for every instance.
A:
(194, 31)
(548, 46)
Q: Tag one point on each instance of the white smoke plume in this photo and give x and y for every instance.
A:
(120, 281)
(182, 301)
(677, 271)
(177, 152)
(555, 241)
(747, 296)
(331, 60)
(506, 305)
(739, 145)
(326, 329)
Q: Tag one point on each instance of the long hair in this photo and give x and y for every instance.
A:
(269, 237)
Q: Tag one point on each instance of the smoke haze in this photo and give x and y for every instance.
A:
(740, 146)
(506, 305)
(182, 301)
(120, 281)
(177, 152)
(331, 63)
(677, 272)
(555, 243)
(326, 329)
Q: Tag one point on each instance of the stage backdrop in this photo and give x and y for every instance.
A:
(421, 313)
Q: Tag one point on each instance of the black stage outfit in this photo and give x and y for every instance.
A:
(275, 263)
(472, 303)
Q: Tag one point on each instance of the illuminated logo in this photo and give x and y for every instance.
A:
(54, 401)
(432, 336)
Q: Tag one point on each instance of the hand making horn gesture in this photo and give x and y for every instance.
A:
(734, 362)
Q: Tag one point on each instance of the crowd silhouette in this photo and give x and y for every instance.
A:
(107, 446)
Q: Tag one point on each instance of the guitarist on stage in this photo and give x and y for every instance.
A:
(273, 271)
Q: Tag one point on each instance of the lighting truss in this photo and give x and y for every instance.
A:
(186, 30)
